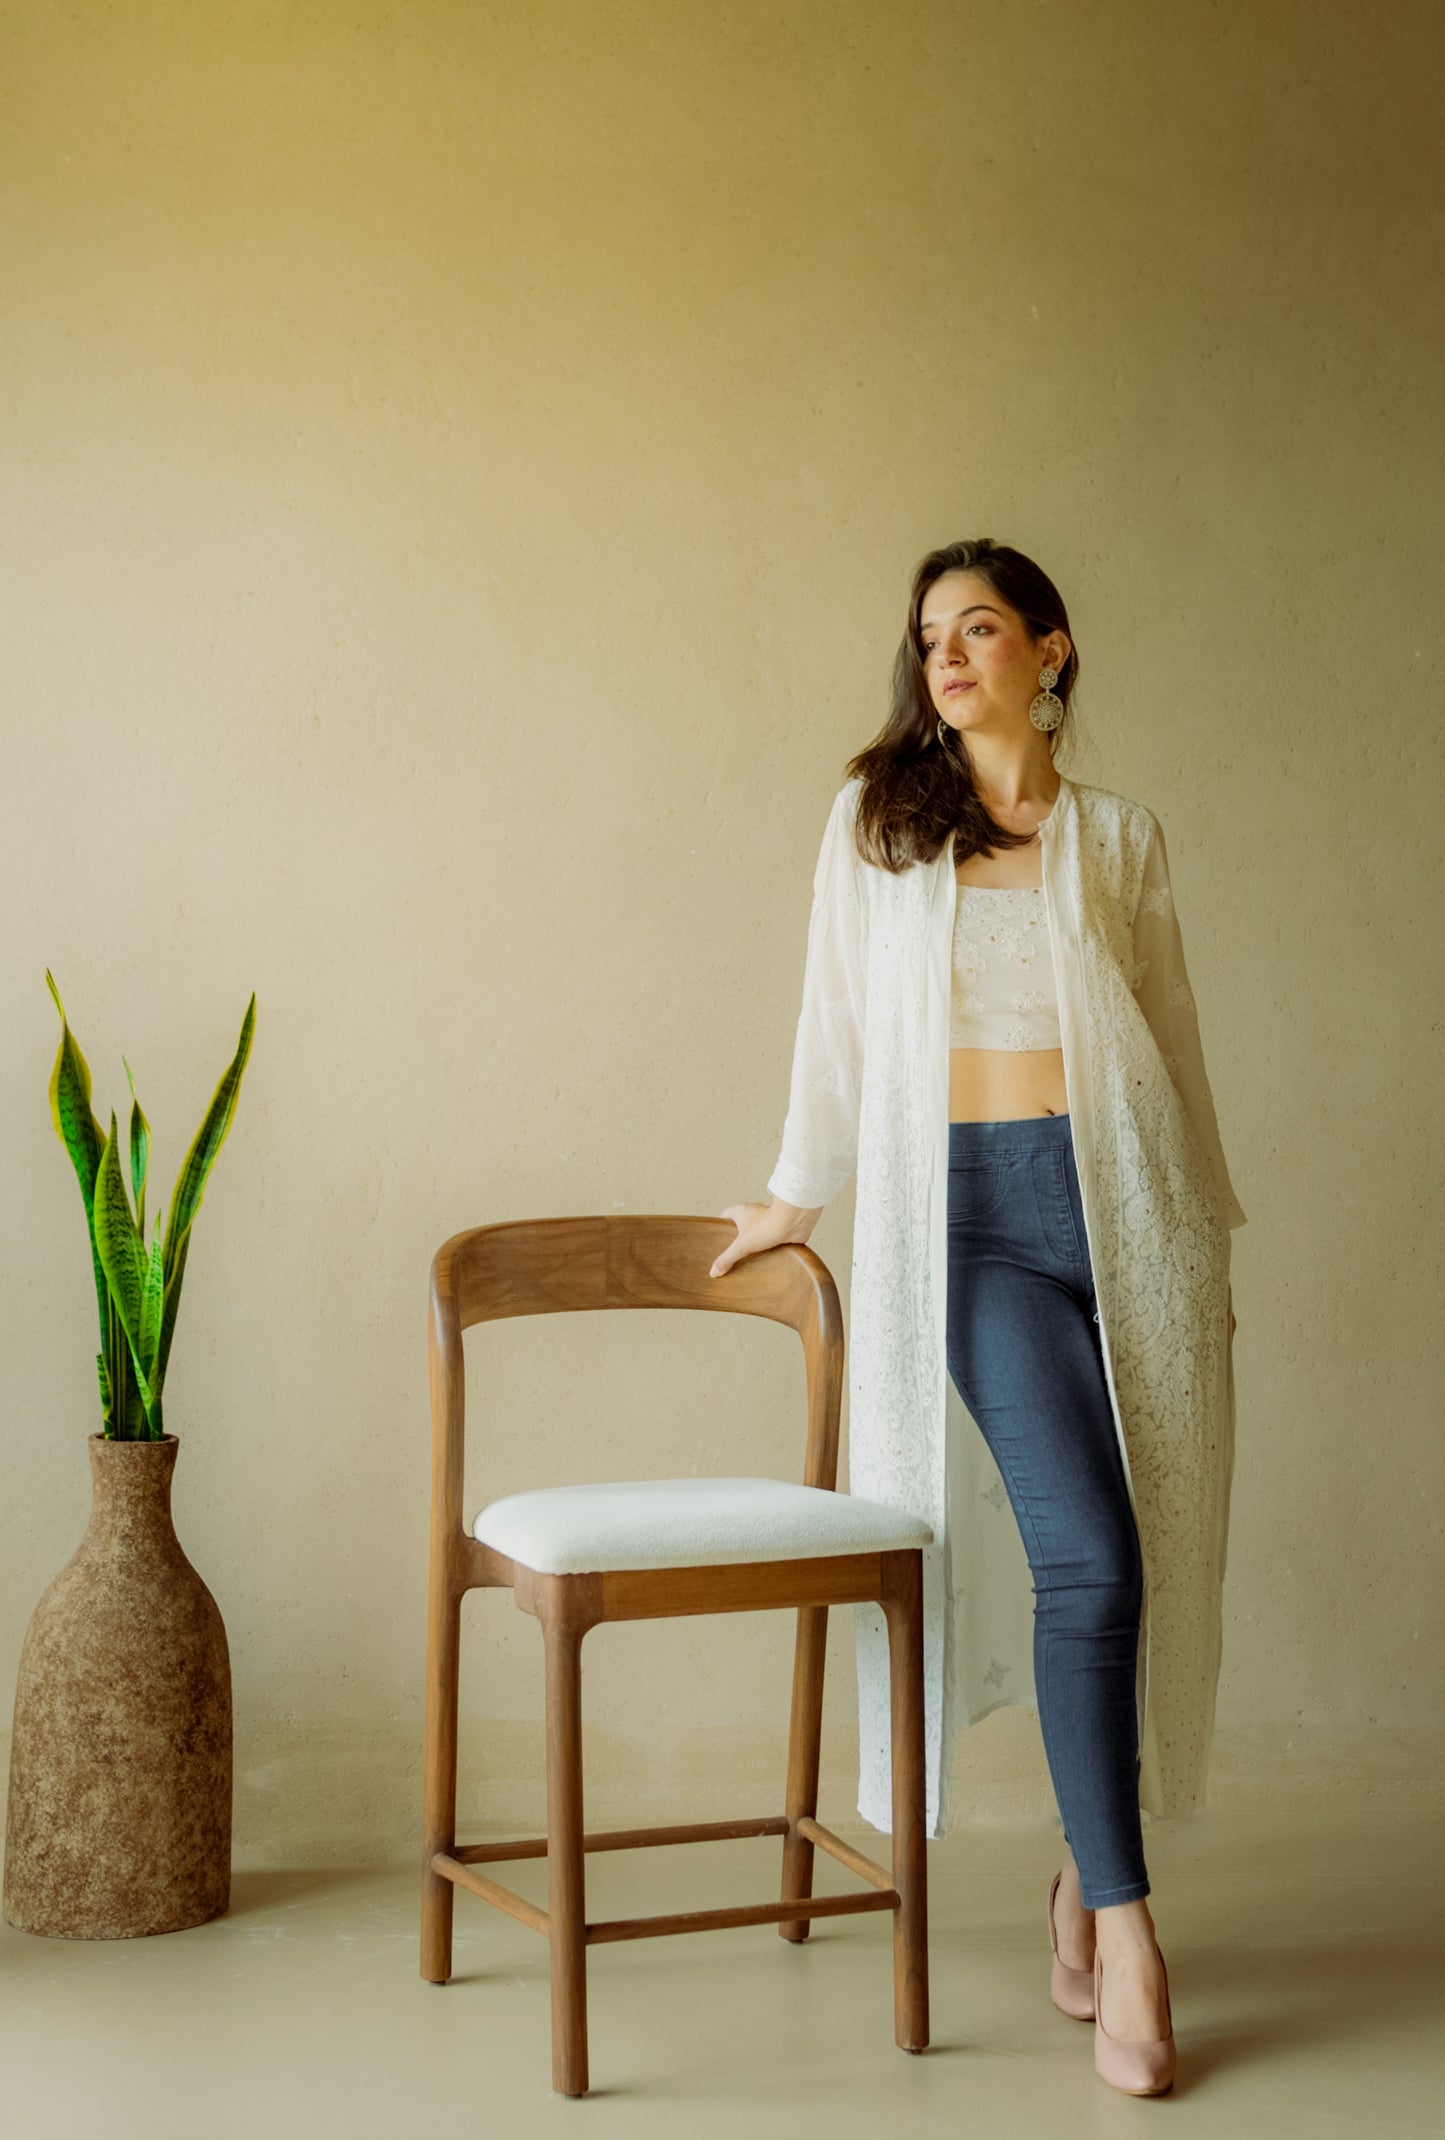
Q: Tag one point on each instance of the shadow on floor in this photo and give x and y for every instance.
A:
(256, 1893)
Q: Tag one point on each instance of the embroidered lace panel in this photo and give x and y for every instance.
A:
(1004, 993)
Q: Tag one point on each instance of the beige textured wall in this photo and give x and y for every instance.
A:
(463, 466)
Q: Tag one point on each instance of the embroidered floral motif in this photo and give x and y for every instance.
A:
(1011, 944)
(826, 1083)
(1155, 898)
(997, 927)
(969, 959)
(1161, 1272)
(1137, 970)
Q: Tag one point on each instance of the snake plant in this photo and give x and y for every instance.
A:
(138, 1289)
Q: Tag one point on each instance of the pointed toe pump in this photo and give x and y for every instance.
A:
(1138, 2068)
(1072, 1990)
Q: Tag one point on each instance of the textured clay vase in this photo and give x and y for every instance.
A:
(120, 1769)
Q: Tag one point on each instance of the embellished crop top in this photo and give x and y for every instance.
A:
(1004, 993)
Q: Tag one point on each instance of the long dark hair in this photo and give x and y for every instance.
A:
(917, 791)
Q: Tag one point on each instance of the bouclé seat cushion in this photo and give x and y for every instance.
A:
(687, 1523)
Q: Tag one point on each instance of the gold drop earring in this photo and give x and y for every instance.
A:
(1047, 710)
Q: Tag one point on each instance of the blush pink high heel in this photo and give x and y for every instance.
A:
(1072, 1990)
(1138, 2066)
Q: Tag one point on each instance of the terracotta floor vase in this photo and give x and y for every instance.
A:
(120, 1771)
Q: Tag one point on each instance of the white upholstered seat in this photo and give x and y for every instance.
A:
(687, 1523)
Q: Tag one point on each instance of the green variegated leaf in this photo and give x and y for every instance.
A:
(118, 1375)
(104, 1394)
(137, 1426)
(152, 1308)
(191, 1181)
(140, 1147)
(78, 1130)
(172, 1301)
(123, 1259)
(122, 1255)
(70, 1107)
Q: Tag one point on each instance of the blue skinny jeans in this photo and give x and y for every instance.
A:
(1024, 1354)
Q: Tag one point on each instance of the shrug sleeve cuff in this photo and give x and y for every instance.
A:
(809, 1192)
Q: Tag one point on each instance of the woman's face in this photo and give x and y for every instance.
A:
(981, 664)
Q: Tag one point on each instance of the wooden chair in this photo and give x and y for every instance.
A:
(576, 1557)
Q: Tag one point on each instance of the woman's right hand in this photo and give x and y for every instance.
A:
(761, 1226)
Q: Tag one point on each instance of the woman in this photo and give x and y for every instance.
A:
(998, 1033)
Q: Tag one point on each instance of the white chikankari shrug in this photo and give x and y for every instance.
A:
(869, 1091)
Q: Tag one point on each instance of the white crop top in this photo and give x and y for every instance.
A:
(1004, 993)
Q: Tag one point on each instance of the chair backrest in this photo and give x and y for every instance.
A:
(631, 1260)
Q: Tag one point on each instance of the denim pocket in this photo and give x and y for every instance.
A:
(1072, 1204)
(977, 1187)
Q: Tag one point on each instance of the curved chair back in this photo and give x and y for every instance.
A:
(631, 1260)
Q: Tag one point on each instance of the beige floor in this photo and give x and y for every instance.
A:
(1305, 1958)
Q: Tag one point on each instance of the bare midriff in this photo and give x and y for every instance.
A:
(1001, 1085)
(1004, 1084)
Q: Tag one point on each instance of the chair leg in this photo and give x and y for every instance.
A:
(566, 1884)
(804, 1737)
(440, 1786)
(903, 1606)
